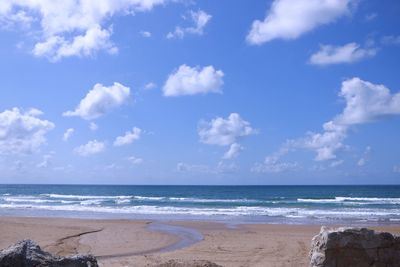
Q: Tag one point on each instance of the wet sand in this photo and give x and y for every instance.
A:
(147, 243)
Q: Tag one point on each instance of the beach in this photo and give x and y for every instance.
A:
(151, 243)
(227, 225)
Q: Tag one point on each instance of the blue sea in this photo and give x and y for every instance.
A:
(232, 204)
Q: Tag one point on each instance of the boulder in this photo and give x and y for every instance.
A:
(27, 253)
(355, 247)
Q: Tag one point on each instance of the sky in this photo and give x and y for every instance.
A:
(200, 92)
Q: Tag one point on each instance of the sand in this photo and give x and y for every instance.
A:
(132, 243)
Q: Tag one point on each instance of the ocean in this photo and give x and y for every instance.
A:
(357, 205)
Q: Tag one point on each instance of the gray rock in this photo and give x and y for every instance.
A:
(27, 253)
(355, 247)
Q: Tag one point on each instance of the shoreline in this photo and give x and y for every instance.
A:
(124, 242)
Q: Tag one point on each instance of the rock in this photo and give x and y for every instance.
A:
(194, 263)
(355, 247)
(27, 253)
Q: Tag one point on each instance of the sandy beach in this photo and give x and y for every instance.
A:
(147, 243)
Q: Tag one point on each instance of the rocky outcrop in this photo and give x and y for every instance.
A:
(355, 247)
(27, 253)
(194, 263)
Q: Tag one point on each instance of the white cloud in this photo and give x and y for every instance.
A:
(68, 133)
(202, 168)
(135, 160)
(371, 16)
(363, 160)
(150, 86)
(112, 166)
(365, 102)
(348, 53)
(93, 126)
(190, 81)
(199, 18)
(94, 40)
(100, 100)
(337, 163)
(224, 132)
(391, 40)
(91, 148)
(233, 151)
(146, 34)
(66, 168)
(17, 19)
(325, 144)
(46, 162)
(22, 132)
(289, 19)
(273, 165)
(129, 137)
(70, 27)
(396, 168)
(184, 167)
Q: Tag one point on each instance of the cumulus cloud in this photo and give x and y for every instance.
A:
(68, 133)
(100, 100)
(202, 168)
(233, 151)
(81, 29)
(364, 158)
(91, 148)
(93, 126)
(46, 161)
(348, 53)
(128, 138)
(150, 86)
(325, 144)
(289, 19)
(146, 34)
(224, 132)
(188, 80)
(371, 16)
(22, 132)
(272, 165)
(199, 18)
(337, 163)
(94, 40)
(135, 160)
(364, 102)
(391, 40)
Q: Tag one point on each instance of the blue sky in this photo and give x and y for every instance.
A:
(200, 92)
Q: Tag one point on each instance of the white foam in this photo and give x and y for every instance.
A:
(28, 199)
(370, 214)
(122, 201)
(212, 200)
(91, 202)
(153, 198)
(82, 197)
(352, 200)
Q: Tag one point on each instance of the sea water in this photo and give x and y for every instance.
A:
(231, 204)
